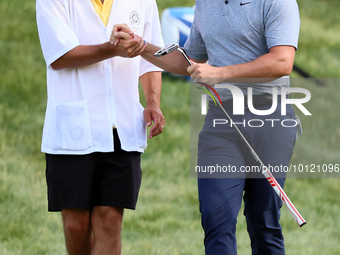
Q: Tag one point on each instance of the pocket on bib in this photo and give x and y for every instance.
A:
(72, 126)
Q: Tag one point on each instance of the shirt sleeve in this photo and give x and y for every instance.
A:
(282, 23)
(195, 47)
(152, 34)
(56, 36)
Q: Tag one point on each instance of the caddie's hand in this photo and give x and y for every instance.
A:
(205, 73)
(152, 114)
(133, 44)
(129, 47)
(117, 29)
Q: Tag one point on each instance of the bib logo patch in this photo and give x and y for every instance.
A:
(134, 18)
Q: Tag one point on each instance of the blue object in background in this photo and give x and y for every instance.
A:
(176, 23)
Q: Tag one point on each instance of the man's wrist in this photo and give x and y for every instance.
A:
(224, 73)
(153, 102)
(109, 49)
(148, 49)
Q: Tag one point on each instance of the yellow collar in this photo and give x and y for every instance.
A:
(103, 9)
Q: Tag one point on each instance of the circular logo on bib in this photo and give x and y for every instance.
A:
(77, 133)
(134, 18)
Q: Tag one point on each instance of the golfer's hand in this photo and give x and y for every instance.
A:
(116, 30)
(152, 114)
(204, 73)
(132, 44)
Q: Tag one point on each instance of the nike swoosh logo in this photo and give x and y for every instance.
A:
(245, 3)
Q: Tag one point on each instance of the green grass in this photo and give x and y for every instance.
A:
(167, 220)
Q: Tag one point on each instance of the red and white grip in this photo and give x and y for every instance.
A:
(280, 192)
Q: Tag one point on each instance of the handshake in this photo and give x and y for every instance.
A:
(127, 43)
(124, 43)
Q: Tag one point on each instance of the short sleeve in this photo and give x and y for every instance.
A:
(56, 37)
(152, 34)
(281, 23)
(194, 46)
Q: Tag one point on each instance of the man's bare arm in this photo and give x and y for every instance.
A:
(173, 63)
(275, 64)
(152, 83)
(84, 55)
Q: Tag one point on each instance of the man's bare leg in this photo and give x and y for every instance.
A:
(77, 230)
(106, 225)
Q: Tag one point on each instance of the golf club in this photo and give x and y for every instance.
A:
(269, 176)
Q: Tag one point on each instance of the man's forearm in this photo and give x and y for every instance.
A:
(152, 85)
(173, 63)
(271, 65)
(84, 55)
(275, 64)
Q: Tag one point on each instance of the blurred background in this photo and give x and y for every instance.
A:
(167, 219)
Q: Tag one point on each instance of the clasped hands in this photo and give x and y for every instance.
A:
(131, 45)
(127, 43)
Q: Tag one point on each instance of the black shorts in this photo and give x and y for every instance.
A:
(96, 179)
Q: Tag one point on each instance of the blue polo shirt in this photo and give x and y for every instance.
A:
(239, 31)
